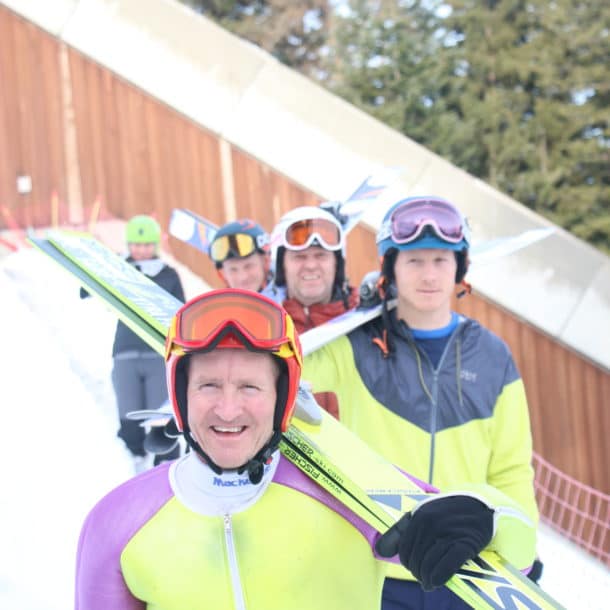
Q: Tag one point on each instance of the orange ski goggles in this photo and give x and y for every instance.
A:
(302, 233)
(261, 322)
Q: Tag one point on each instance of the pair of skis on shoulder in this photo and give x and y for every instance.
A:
(320, 446)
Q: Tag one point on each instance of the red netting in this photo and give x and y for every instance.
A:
(577, 511)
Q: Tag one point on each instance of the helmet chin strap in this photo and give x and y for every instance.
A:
(255, 466)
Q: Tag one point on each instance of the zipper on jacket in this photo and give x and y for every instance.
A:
(433, 423)
(434, 395)
(238, 593)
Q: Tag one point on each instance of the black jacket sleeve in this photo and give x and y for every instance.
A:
(125, 340)
(172, 283)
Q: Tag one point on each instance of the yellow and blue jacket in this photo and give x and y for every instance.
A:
(464, 422)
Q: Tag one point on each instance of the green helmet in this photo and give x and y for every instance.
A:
(143, 230)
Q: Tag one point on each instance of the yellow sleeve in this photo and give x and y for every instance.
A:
(510, 466)
(325, 368)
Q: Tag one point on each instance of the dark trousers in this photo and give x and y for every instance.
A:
(408, 595)
(139, 383)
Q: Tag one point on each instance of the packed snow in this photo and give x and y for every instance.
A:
(60, 453)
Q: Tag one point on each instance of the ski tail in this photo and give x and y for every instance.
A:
(192, 229)
(350, 211)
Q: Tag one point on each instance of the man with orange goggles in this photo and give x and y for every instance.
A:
(209, 529)
(308, 267)
(240, 252)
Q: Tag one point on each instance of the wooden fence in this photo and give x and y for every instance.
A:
(83, 134)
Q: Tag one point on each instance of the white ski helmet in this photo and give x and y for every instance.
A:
(315, 227)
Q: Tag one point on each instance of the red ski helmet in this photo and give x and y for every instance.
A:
(232, 318)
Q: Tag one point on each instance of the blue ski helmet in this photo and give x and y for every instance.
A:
(423, 222)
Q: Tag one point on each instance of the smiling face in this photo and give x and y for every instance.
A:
(231, 397)
(310, 275)
(248, 273)
(425, 281)
(142, 252)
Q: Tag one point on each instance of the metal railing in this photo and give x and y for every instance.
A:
(576, 511)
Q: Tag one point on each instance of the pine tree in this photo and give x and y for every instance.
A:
(294, 32)
(516, 92)
(535, 83)
(513, 91)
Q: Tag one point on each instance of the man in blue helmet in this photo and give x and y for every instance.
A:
(240, 251)
(426, 387)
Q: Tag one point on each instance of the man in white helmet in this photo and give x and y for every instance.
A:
(308, 266)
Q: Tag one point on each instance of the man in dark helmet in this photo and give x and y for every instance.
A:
(429, 389)
(234, 524)
(240, 251)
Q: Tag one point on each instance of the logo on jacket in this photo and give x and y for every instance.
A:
(468, 375)
(220, 482)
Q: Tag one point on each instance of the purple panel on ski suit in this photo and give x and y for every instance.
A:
(107, 531)
(120, 515)
(289, 475)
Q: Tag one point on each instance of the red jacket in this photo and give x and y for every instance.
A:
(306, 318)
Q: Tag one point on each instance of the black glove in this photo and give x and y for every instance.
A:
(536, 572)
(436, 539)
(368, 291)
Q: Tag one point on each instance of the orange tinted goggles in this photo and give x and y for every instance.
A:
(259, 320)
(302, 234)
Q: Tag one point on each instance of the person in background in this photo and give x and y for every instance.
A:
(431, 390)
(308, 266)
(229, 525)
(240, 251)
(138, 372)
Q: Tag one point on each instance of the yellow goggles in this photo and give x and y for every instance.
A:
(238, 245)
